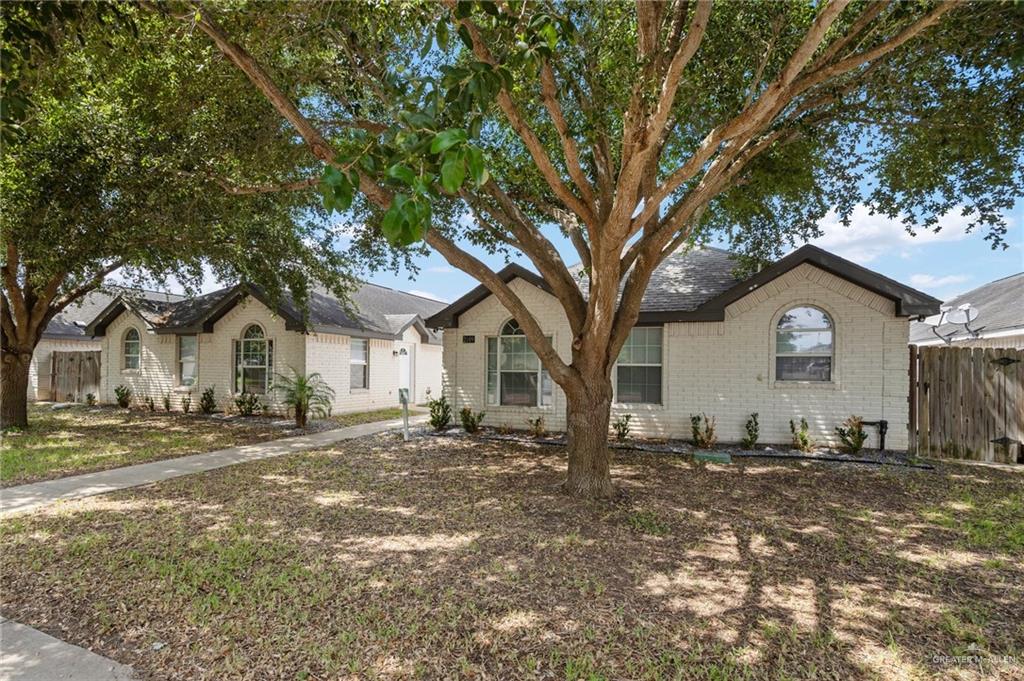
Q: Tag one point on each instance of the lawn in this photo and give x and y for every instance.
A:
(459, 558)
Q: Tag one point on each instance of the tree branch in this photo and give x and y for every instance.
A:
(241, 190)
(549, 93)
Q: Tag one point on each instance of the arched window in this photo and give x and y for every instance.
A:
(804, 345)
(254, 361)
(515, 376)
(132, 349)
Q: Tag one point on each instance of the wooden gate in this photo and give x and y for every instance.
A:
(73, 375)
(967, 403)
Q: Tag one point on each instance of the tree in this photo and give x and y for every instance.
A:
(122, 165)
(308, 394)
(635, 129)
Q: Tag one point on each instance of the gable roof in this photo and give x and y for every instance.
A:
(73, 320)
(367, 317)
(698, 284)
(999, 305)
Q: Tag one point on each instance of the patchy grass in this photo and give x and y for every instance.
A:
(83, 439)
(443, 558)
(355, 419)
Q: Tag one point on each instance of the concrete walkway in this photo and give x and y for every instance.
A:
(30, 655)
(25, 498)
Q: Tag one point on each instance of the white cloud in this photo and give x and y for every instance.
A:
(428, 294)
(931, 281)
(870, 236)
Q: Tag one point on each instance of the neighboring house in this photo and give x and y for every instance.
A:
(237, 339)
(66, 333)
(1000, 321)
(811, 336)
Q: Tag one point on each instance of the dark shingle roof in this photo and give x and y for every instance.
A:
(72, 320)
(370, 313)
(697, 284)
(1000, 306)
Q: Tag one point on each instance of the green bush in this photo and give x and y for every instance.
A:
(167, 401)
(90, 399)
(851, 435)
(802, 439)
(248, 404)
(440, 413)
(621, 426)
(186, 403)
(753, 431)
(536, 426)
(123, 395)
(150, 405)
(307, 395)
(207, 402)
(471, 420)
(703, 430)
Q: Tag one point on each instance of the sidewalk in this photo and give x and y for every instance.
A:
(25, 498)
(30, 655)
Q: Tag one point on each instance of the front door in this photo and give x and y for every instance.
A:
(405, 362)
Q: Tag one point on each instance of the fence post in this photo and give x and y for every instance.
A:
(912, 399)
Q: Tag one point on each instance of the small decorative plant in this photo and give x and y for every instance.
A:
(150, 405)
(851, 435)
(703, 430)
(167, 401)
(753, 430)
(248, 404)
(470, 419)
(536, 426)
(621, 426)
(123, 396)
(207, 402)
(90, 399)
(440, 413)
(307, 395)
(186, 403)
(802, 439)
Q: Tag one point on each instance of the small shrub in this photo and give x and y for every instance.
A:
(621, 426)
(802, 439)
(186, 403)
(703, 430)
(90, 399)
(123, 395)
(536, 426)
(167, 401)
(470, 419)
(306, 394)
(753, 431)
(851, 435)
(440, 413)
(150, 405)
(248, 404)
(207, 402)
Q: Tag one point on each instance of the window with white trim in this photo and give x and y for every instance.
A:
(188, 354)
(254, 361)
(132, 349)
(515, 377)
(804, 345)
(360, 363)
(638, 369)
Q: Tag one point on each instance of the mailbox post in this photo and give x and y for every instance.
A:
(403, 397)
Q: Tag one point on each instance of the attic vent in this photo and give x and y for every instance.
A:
(469, 339)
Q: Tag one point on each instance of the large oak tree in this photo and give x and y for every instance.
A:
(635, 129)
(118, 163)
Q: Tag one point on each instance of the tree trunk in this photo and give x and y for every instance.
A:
(14, 389)
(588, 413)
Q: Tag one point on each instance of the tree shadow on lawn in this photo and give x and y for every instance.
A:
(440, 558)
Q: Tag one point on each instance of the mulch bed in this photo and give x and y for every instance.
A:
(459, 557)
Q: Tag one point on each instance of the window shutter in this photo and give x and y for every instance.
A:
(236, 366)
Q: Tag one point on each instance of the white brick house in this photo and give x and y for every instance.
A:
(812, 336)
(237, 339)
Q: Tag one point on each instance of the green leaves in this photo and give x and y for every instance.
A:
(403, 173)
(447, 139)
(406, 220)
(453, 172)
(338, 189)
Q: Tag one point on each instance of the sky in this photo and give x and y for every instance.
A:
(943, 264)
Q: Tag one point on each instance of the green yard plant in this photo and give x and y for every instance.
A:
(471, 420)
(306, 394)
(207, 401)
(186, 403)
(621, 426)
(123, 396)
(703, 431)
(753, 430)
(536, 426)
(802, 439)
(440, 413)
(247, 404)
(851, 435)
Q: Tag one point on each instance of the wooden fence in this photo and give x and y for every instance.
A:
(73, 375)
(967, 403)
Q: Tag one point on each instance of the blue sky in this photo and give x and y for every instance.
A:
(943, 264)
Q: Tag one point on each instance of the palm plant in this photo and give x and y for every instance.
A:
(307, 394)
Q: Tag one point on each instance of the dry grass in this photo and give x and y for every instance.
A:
(443, 558)
(82, 439)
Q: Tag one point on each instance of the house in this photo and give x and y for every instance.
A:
(812, 336)
(999, 324)
(237, 339)
(66, 333)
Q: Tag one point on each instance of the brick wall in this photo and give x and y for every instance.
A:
(330, 354)
(726, 369)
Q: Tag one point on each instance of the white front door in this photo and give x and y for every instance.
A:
(405, 363)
